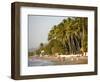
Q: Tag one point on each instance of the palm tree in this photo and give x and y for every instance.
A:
(82, 31)
(84, 37)
(72, 33)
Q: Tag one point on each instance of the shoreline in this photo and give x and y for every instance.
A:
(71, 60)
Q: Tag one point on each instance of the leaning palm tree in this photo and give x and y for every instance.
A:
(72, 33)
(83, 32)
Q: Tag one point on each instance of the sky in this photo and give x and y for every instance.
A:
(39, 27)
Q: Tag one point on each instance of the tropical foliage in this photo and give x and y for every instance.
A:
(68, 37)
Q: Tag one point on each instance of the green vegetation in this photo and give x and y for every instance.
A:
(68, 37)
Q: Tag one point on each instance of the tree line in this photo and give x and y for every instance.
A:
(68, 37)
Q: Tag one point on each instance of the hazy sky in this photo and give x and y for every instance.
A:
(39, 27)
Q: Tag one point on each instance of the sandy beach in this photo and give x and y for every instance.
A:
(52, 60)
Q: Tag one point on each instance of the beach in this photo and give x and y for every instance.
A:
(52, 60)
